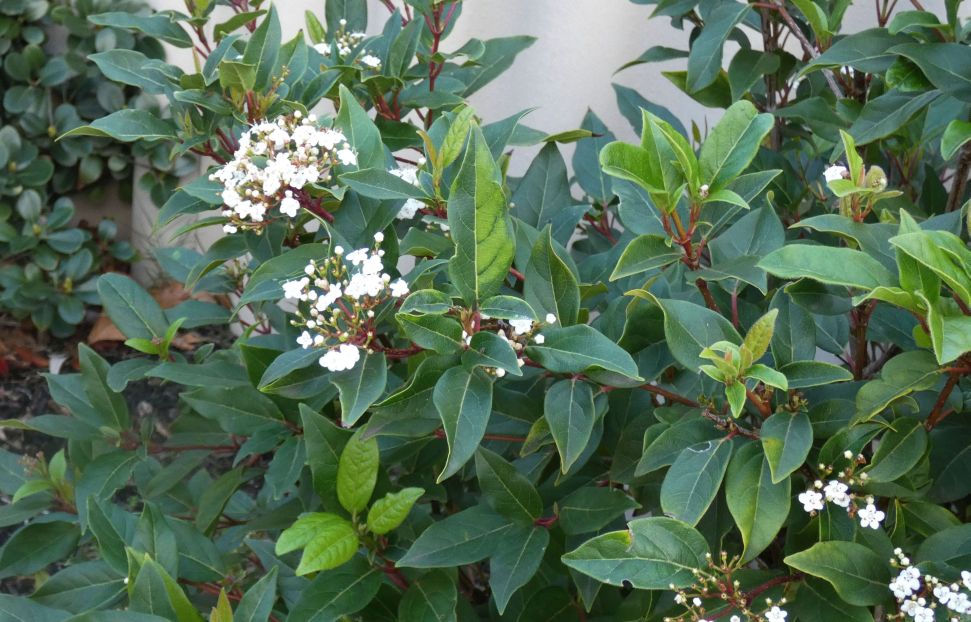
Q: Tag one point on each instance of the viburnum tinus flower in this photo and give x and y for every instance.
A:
(919, 595)
(411, 206)
(344, 42)
(835, 172)
(336, 302)
(272, 166)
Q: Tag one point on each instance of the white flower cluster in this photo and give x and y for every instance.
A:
(274, 161)
(838, 493)
(344, 43)
(342, 292)
(919, 594)
(411, 206)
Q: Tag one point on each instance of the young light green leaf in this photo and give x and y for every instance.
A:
(357, 472)
(392, 509)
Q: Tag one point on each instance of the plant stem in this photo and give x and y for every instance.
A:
(669, 395)
(960, 179)
(938, 413)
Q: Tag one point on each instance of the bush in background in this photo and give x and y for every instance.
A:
(49, 253)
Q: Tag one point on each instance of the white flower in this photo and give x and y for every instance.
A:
(835, 491)
(943, 594)
(358, 256)
(289, 205)
(231, 198)
(369, 60)
(734, 619)
(520, 327)
(500, 372)
(906, 583)
(966, 579)
(550, 318)
(834, 172)
(323, 48)
(811, 501)
(305, 340)
(539, 340)
(341, 358)
(296, 289)
(409, 209)
(399, 288)
(871, 517)
(230, 228)
(923, 614)
(776, 615)
(347, 157)
(379, 237)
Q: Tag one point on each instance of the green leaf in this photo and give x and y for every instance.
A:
(900, 449)
(129, 67)
(337, 593)
(733, 143)
(328, 541)
(462, 538)
(786, 440)
(131, 308)
(694, 479)
(360, 386)
(432, 332)
(944, 64)
(157, 25)
(479, 224)
(705, 59)
(902, 375)
(758, 505)
(128, 125)
(690, 328)
(516, 559)
(507, 491)
(238, 410)
(643, 253)
(826, 264)
(592, 508)
(212, 502)
(94, 377)
(155, 591)
(804, 374)
(357, 472)
(81, 587)
(234, 75)
(487, 349)
(858, 575)
(748, 67)
(378, 183)
(551, 287)
(360, 131)
(257, 603)
(101, 478)
(956, 135)
(544, 189)
(263, 48)
(569, 410)
(464, 402)
(18, 608)
(944, 253)
(884, 115)
(32, 548)
(432, 598)
(758, 338)
(652, 554)
(583, 349)
(325, 443)
(391, 510)
(869, 51)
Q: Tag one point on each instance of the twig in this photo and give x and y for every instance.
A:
(807, 46)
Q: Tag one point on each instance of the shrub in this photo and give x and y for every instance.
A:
(49, 87)
(726, 383)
